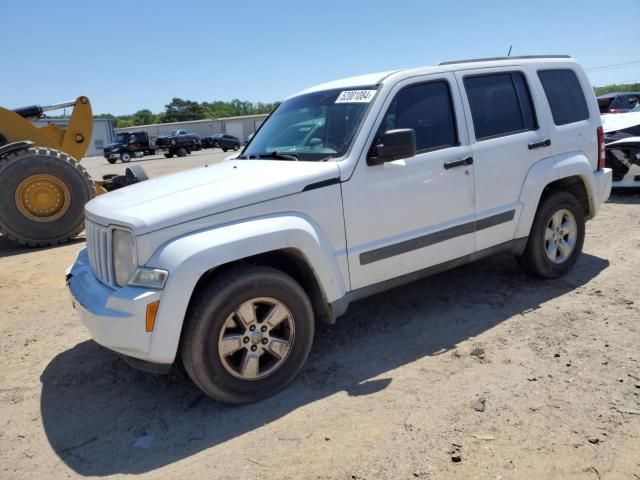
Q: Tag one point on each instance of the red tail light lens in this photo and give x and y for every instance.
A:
(601, 152)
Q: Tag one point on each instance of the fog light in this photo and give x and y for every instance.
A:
(152, 310)
(149, 277)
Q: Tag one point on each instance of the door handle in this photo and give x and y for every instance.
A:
(458, 163)
(544, 143)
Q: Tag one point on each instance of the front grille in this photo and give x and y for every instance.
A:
(99, 248)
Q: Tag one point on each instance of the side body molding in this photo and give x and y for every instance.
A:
(187, 258)
(544, 172)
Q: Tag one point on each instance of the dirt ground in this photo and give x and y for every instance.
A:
(511, 376)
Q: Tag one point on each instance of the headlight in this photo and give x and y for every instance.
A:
(149, 278)
(124, 257)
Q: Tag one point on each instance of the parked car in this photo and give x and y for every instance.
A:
(619, 102)
(392, 177)
(622, 138)
(178, 142)
(129, 145)
(223, 141)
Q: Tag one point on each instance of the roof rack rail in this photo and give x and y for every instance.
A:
(489, 59)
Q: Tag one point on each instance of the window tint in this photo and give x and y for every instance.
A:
(427, 109)
(500, 104)
(564, 95)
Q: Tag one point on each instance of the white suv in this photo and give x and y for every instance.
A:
(349, 188)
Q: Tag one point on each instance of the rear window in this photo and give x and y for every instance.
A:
(564, 95)
(626, 101)
(500, 104)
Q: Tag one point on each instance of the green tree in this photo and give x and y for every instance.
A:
(179, 110)
(144, 117)
(622, 87)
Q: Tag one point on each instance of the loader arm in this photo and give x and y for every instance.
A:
(73, 140)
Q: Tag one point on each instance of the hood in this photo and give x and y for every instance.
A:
(619, 121)
(113, 145)
(203, 191)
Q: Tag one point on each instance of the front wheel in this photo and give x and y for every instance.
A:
(125, 157)
(556, 238)
(236, 148)
(247, 334)
(168, 155)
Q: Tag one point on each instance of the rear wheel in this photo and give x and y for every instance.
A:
(556, 237)
(42, 196)
(112, 160)
(247, 334)
(236, 147)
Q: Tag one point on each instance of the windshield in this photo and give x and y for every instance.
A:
(120, 138)
(316, 126)
(636, 108)
(172, 133)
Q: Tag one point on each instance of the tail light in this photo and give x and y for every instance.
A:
(601, 151)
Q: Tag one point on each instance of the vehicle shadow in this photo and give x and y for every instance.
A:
(9, 248)
(94, 407)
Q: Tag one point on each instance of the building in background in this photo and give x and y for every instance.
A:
(240, 127)
(103, 133)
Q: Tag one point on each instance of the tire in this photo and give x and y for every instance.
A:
(182, 152)
(208, 318)
(68, 187)
(112, 160)
(535, 260)
(168, 155)
(236, 147)
(125, 157)
(216, 144)
(136, 172)
(225, 149)
(173, 141)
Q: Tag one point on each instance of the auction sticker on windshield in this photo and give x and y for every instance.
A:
(355, 96)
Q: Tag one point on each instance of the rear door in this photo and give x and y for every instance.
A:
(506, 140)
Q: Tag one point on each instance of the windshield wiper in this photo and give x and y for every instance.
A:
(279, 155)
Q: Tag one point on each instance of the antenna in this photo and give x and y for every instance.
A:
(509, 53)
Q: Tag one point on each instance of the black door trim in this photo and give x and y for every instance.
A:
(435, 237)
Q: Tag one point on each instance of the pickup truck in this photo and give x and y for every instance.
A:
(178, 142)
(348, 189)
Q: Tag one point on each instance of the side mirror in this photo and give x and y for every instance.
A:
(396, 145)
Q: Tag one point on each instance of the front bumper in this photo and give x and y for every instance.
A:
(116, 318)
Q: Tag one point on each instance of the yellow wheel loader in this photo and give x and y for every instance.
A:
(43, 188)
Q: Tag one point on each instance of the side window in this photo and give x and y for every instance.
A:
(564, 95)
(500, 104)
(428, 110)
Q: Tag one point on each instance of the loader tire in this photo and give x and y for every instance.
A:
(42, 196)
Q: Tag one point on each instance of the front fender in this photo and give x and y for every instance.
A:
(544, 172)
(189, 257)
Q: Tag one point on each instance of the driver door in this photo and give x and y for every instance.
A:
(410, 214)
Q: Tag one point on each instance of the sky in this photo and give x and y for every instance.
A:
(129, 55)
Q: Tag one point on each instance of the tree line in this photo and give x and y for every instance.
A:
(179, 110)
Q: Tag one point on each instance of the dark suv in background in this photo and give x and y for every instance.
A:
(618, 102)
(223, 141)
